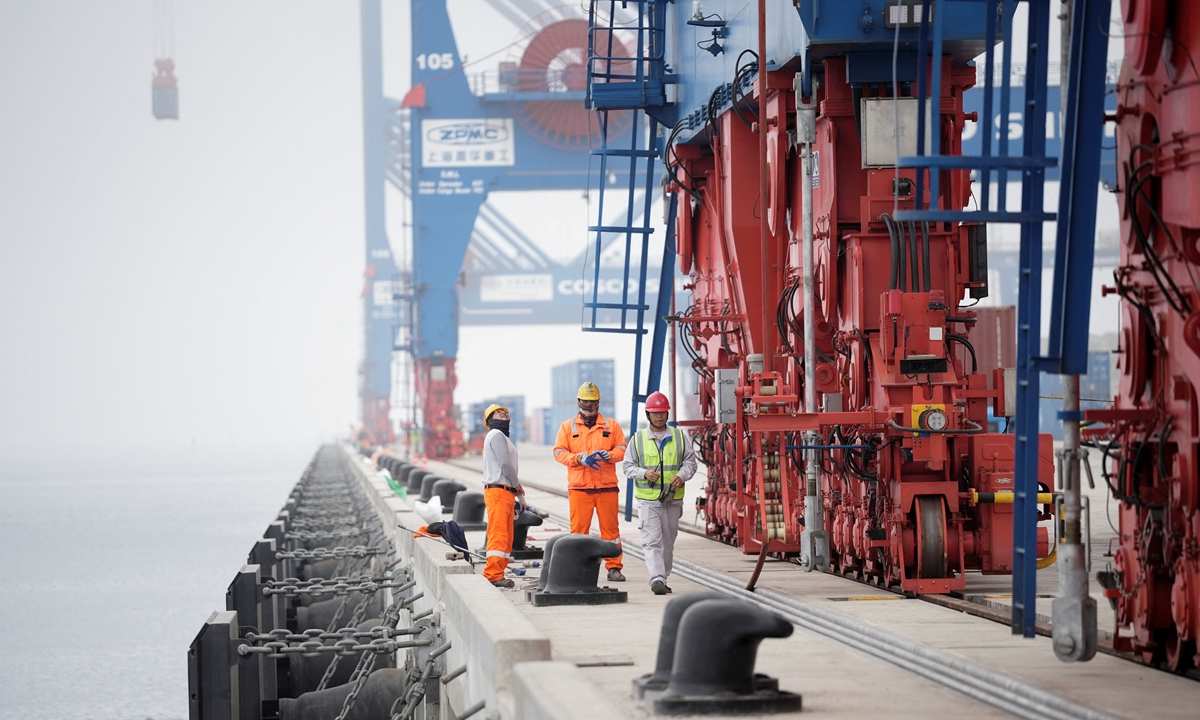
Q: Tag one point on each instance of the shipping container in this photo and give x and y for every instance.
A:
(541, 427)
(1095, 392)
(565, 382)
(516, 410)
(994, 337)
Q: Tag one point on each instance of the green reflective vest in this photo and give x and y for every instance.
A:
(649, 457)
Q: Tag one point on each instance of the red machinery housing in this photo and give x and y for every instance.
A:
(435, 382)
(914, 486)
(1149, 440)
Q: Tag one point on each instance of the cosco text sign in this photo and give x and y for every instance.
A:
(467, 143)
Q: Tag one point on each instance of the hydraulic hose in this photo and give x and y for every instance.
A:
(895, 251)
(951, 337)
(914, 258)
(925, 253)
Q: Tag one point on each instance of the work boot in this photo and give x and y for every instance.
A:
(504, 583)
(614, 575)
(658, 587)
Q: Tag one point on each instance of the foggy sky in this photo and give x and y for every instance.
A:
(195, 283)
(163, 282)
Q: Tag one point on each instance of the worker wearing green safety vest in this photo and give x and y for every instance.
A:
(659, 461)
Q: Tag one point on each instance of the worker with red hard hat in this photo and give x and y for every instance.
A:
(659, 462)
(591, 445)
(503, 495)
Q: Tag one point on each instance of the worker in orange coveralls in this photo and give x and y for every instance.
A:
(502, 494)
(591, 445)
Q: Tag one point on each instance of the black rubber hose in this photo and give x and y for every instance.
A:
(897, 279)
(895, 284)
(925, 253)
(914, 258)
(951, 337)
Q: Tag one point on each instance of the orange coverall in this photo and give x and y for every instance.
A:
(593, 491)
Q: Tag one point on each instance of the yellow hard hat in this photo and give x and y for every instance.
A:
(487, 414)
(588, 391)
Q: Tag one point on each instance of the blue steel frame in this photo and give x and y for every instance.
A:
(1075, 248)
(1032, 164)
(641, 91)
(445, 201)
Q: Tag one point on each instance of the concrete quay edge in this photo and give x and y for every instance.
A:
(508, 659)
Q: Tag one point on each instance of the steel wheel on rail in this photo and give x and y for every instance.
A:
(1180, 653)
(931, 537)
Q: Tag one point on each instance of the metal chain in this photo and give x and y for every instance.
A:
(355, 619)
(338, 590)
(323, 534)
(324, 522)
(284, 636)
(358, 551)
(365, 665)
(415, 692)
(316, 648)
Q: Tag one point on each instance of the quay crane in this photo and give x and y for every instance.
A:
(824, 212)
(456, 137)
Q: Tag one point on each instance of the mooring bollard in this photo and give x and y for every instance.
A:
(713, 669)
(520, 550)
(650, 686)
(469, 510)
(447, 490)
(415, 478)
(401, 475)
(544, 577)
(427, 484)
(571, 573)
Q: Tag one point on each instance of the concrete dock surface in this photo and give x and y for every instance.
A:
(613, 644)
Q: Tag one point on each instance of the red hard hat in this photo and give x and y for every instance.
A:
(657, 402)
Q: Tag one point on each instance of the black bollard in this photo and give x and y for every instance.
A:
(427, 484)
(402, 472)
(652, 685)
(470, 511)
(375, 700)
(414, 480)
(713, 669)
(521, 525)
(447, 490)
(544, 577)
(571, 573)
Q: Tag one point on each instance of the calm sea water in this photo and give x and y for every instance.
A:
(108, 568)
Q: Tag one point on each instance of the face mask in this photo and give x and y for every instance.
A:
(501, 425)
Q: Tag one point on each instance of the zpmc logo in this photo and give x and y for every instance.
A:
(468, 133)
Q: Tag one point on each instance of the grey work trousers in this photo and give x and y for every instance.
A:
(658, 527)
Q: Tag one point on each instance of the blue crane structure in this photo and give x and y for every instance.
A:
(452, 140)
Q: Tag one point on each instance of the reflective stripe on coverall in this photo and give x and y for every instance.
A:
(606, 509)
(666, 458)
(575, 437)
(500, 513)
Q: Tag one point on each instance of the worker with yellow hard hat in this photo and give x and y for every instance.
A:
(591, 445)
(503, 495)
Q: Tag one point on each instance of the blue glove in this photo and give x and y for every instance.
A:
(592, 462)
(604, 455)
